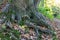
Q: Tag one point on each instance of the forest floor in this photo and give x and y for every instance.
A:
(57, 27)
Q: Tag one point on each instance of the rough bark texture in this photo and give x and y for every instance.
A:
(28, 7)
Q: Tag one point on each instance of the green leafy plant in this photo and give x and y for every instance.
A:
(45, 10)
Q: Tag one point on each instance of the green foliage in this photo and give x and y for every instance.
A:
(55, 38)
(10, 1)
(45, 10)
(9, 34)
(58, 16)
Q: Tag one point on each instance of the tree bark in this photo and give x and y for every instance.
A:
(28, 7)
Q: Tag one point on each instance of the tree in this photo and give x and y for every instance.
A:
(28, 12)
(25, 12)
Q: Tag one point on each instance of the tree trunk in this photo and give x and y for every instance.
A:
(29, 7)
(26, 7)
